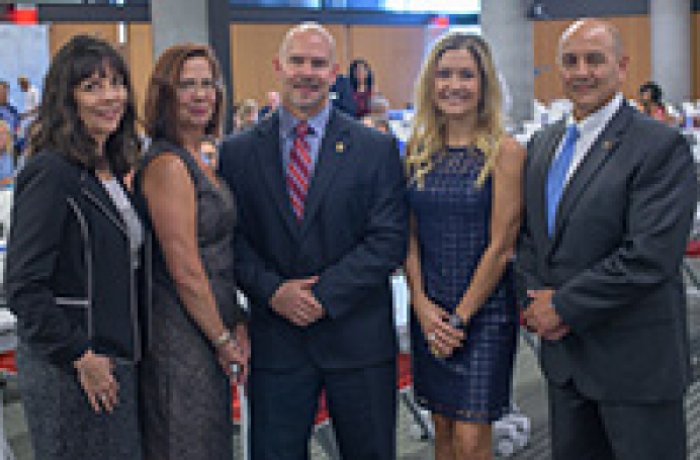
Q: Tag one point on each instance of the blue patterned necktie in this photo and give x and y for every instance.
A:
(557, 175)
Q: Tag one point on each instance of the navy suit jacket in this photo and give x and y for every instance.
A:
(614, 259)
(353, 235)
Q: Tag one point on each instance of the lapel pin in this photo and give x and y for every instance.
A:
(339, 147)
(608, 145)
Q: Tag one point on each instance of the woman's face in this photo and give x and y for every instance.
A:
(196, 94)
(457, 83)
(101, 102)
(361, 72)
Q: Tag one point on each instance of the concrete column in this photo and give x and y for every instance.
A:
(200, 21)
(505, 25)
(670, 48)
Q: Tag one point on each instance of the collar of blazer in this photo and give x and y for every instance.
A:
(96, 195)
(334, 148)
(606, 145)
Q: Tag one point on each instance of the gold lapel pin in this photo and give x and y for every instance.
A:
(608, 145)
(339, 147)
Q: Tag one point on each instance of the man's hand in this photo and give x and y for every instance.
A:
(295, 301)
(541, 317)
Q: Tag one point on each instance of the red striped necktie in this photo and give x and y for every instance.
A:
(299, 169)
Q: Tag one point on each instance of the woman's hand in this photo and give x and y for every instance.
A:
(442, 338)
(235, 351)
(97, 380)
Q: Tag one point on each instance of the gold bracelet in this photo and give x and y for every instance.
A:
(223, 339)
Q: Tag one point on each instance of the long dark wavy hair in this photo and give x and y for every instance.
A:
(352, 74)
(58, 128)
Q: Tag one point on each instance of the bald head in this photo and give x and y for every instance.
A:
(592, 64)
(594, 27)
(307, 28)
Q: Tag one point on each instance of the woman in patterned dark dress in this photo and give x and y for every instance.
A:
(465, 195)
(197, 329)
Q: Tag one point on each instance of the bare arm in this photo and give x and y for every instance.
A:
(506, 217)
(170, 195)
(441, 337)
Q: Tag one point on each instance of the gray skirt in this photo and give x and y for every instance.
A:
(62, 424)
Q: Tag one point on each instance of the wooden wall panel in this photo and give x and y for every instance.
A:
(395, 55)
(60, 33)
(139, 55)
(636, 36)
(253, 49)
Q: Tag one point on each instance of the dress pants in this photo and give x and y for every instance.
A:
(583, 429)
(361, 403)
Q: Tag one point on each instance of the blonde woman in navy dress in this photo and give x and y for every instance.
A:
(465, 194)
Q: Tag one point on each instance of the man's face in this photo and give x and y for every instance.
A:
(590, 68)
(306, 70)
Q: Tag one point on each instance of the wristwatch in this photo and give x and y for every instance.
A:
(456, 321)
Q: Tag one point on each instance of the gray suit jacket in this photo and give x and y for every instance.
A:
(614, 260)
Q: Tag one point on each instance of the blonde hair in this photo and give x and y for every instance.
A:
(428, 133)
(9, 147)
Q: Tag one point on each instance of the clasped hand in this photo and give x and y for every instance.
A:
(442, 338)
(295, 301)
(542, 318)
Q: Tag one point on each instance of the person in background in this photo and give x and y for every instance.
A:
(273, 101)
(246, 115)
(466, 206)
(199, 334)
(7, 170)
(9, 112)
(378, 122)
(652, 103)
(31, 99)
(323, 224)
(610, 196)
(209, 149)
(361, 81)
(74, 262)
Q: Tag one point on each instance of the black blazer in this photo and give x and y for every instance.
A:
(354, 234)
(69, 273)
(614, 259)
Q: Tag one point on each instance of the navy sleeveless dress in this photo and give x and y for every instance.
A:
(453, 219)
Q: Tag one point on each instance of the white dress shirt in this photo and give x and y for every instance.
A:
(589, 130)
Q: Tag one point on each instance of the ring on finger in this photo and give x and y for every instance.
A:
(431, 337)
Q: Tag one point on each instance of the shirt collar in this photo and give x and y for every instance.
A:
(317, 122)
(598, 118)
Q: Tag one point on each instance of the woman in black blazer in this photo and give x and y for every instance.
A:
(74, 262)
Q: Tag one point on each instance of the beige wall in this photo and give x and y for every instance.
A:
(394, 53)
(635, 33)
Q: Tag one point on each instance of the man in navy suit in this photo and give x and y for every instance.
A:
(609, 199)
(322, 224)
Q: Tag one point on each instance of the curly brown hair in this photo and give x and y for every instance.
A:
(161, 101)
(58, 127)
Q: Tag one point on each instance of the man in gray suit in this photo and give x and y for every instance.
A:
(609, 200)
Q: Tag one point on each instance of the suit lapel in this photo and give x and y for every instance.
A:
(96, 195)
(595, 158)
(334, 148)
(269, 157)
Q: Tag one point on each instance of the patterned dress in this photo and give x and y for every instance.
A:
(186, 396)
(453, 219)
